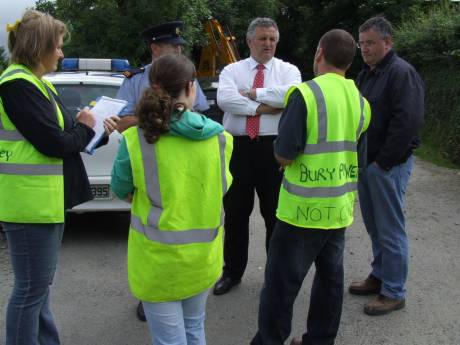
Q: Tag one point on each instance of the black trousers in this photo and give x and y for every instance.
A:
(292, 252)
(254, 169)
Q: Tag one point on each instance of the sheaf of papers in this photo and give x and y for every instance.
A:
(105, 107)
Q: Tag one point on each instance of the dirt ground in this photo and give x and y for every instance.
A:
(93, 305)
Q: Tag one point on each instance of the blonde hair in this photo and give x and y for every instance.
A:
(36, 35)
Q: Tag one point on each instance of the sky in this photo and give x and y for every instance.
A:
(10, 11)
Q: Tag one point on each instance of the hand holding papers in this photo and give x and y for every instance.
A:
(105, 107)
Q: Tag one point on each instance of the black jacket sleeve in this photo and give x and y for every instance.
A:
(292, 128)
(35, 118)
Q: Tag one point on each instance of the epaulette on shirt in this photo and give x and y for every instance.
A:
(129, 73)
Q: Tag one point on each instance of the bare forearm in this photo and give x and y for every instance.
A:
(283, 161)
(125, 122)
(268, 110)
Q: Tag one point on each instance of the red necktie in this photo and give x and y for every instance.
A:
(253, 122)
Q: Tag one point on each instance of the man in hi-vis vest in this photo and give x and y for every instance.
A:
(317, 145)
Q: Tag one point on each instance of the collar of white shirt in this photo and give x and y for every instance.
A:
(253, 63)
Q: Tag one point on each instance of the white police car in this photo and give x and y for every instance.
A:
(80, 82)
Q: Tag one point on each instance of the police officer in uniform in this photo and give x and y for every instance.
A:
(161, 39)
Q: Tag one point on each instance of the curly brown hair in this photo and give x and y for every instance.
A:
(169, 76)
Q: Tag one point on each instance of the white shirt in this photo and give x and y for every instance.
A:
(279, 76)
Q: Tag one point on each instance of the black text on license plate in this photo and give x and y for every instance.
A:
(101, 191)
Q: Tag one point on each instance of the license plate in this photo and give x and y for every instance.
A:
(101, 191)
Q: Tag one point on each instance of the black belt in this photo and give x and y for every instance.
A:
(259, 139)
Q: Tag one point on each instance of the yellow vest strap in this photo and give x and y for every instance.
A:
(30, 169)
(361, 118)
(222, 144)
(13, 71)
(321, 110)
(319, 192)
(10, 135)
(173, 237)
(152, 181)
(330, 147)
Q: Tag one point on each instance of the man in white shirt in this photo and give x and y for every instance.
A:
(251, 93)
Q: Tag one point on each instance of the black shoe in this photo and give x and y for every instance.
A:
(140, 312)
(225, 284)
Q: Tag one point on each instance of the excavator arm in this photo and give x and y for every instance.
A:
(220, 51)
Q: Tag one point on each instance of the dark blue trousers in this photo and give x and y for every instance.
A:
(34, 252)
(292, 252)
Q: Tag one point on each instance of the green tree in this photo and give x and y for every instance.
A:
(431, 41)
(111, 28)
(237, 14)
(46, 6)
(302, 23)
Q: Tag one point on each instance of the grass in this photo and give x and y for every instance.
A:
(432, 153)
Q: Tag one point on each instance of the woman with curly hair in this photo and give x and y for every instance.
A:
(173, 166)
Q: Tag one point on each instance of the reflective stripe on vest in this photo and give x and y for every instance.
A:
(15, 135)
(323, 146)
(10, 135)
(152, 183)
(173, 237)
(5, 134)
(30, 169)
(32, 182)
(319, 192)
(13, 71)
(330, 146)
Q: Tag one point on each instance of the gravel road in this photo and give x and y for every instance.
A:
(93, 306)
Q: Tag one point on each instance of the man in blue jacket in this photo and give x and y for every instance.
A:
(396, 94)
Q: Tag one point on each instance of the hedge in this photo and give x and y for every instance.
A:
(431, 42)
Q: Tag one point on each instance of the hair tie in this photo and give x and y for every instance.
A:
(13, 27)
(156, 87)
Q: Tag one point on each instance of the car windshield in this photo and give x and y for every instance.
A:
(76, 96)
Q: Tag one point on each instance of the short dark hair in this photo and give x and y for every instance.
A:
(380, 24)
(339, 48)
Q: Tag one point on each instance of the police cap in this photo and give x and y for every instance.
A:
(170, 32)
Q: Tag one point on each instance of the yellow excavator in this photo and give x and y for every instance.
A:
(220, 51)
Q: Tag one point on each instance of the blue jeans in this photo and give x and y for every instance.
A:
(382, 196)
(34, 250)
(177, 322)
(291, 253)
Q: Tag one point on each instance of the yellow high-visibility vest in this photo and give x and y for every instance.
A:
(31, 184)
(318, 188)
(176, 237)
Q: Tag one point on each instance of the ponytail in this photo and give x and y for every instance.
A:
(169, 76)
(154, 111)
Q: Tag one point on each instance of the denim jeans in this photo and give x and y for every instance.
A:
(382, 195)
(177, 322)
(292, 252)
(34, 250)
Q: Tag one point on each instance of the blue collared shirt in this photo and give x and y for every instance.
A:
(132, 89)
